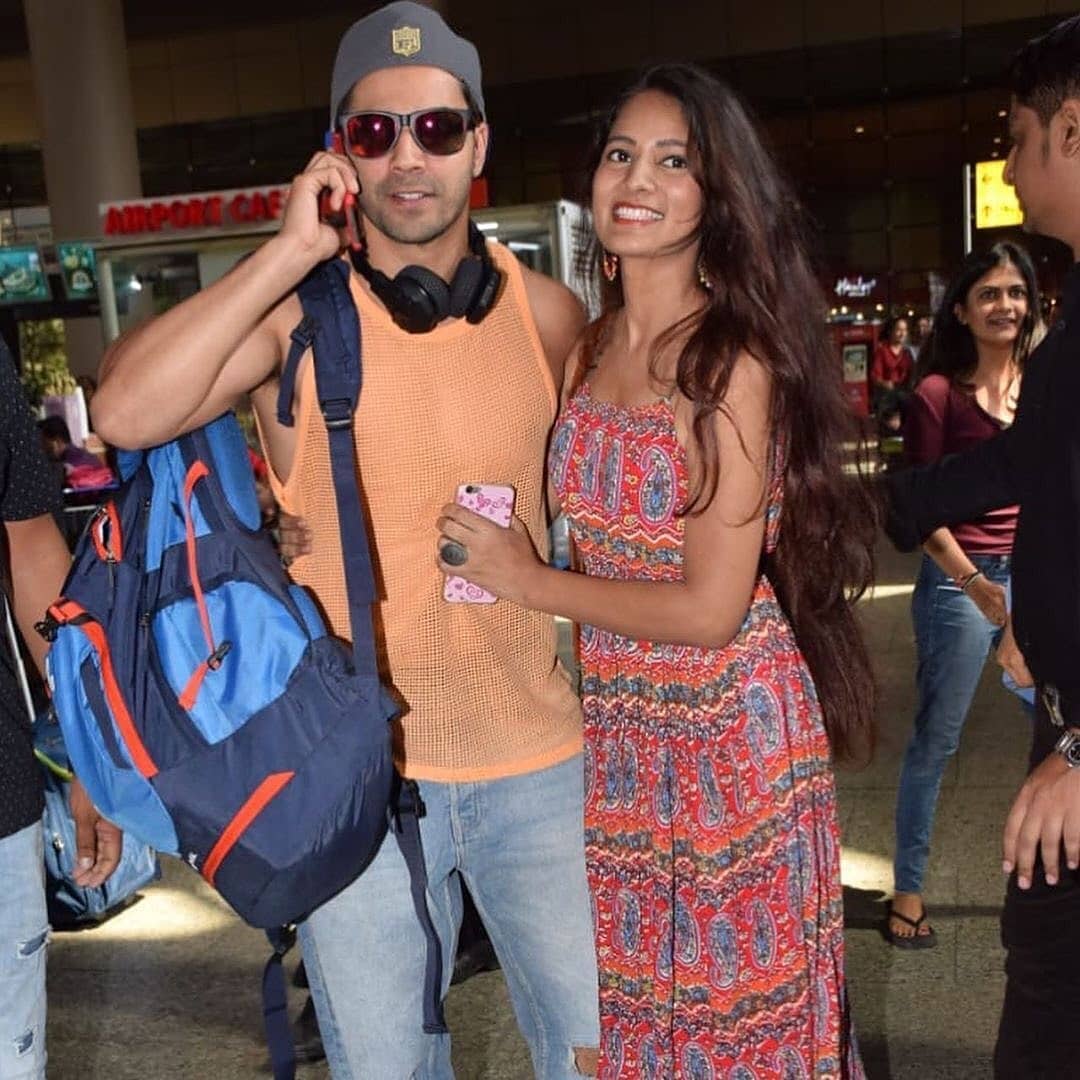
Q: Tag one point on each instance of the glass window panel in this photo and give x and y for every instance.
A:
(867, 121)
(775, 80)
(293, 136)
(168, 180)
(989, 49)
(795, 161)
(914, 203)
(849, 164)
(924, 62)
(983, 107)
(219, 143)
(919, 247)
(984, 142)
(850, 211)
(26, 175)
(788, 129)
(163, 146)
(857, 252)
(842, 72)
(939, 113)
(925, 155)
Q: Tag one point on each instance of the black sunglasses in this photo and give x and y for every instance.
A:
(437, 131)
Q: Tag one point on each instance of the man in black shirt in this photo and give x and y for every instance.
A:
(33, 564)
(1036, 464)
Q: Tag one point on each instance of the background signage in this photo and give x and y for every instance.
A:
(996, 205)
(77, 270)
(22, 276)
(231, 211)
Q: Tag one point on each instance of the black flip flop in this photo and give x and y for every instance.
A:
(909, 941)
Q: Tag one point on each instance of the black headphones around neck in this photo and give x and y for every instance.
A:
(418, 299)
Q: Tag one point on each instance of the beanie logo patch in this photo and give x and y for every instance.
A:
(405, 41)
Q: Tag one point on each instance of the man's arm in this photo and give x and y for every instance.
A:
(39, 564)
(958, 488)
(182, 369)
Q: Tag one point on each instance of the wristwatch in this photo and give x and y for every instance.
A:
(1068, 746)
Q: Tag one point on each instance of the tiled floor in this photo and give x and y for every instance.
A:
(169, 989)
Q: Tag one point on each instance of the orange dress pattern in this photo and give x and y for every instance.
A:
(711, 834)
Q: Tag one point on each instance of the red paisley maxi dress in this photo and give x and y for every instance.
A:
(711, 834)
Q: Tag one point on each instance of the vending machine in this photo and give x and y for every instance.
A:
(854, 342)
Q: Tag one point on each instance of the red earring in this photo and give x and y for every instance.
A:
(611, 266)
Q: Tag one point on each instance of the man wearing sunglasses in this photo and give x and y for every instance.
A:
(491, 729)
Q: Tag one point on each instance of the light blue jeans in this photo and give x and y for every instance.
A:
(519, 844)
(24, 935)
(953, 640)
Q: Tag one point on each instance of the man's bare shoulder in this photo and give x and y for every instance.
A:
(551, 301)
(559, 316)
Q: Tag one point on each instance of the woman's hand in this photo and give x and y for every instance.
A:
(294, 537)
(1012, 659)
(497, 559)
(989, 598)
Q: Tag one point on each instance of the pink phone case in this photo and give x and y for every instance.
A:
(496, 503)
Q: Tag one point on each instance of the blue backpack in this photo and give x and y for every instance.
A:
(203, 704)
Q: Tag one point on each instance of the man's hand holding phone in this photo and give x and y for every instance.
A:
(320, 200)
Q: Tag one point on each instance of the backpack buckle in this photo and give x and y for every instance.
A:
(62, 613)
(283, 938)
(303, 334)
(408, 801)
(337, 413)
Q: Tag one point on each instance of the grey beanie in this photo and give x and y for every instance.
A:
(399, 34)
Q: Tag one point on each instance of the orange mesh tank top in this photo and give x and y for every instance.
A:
(485, 694)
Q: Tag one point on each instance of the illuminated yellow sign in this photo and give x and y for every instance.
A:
(996, 206)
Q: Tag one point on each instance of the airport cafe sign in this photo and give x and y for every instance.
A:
(208, 212)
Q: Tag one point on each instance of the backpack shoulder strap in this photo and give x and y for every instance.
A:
(333, 329)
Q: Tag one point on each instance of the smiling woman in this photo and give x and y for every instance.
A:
(698, 460)
(983, 332)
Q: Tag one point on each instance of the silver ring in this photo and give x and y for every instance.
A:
(454, 554)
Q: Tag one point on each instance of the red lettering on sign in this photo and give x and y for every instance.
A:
(134, 219)
(240, 208)
(194, 212)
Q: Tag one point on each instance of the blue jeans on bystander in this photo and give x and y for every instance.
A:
(953, 640)
(24, 935)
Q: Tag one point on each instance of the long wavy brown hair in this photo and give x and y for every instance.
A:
(766, 300)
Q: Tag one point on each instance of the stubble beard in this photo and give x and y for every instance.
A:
(450, 206)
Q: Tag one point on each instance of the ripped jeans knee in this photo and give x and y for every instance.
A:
(586, 1060)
